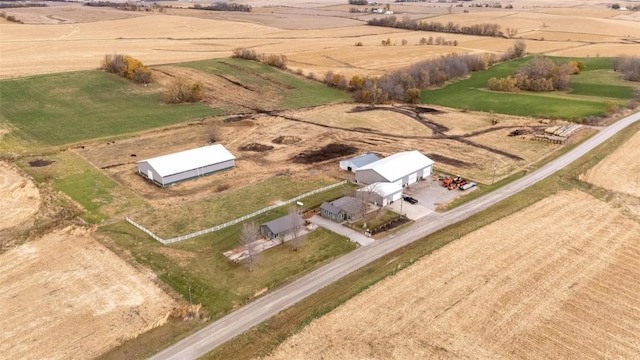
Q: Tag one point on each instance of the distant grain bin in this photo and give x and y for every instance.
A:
(173, 168)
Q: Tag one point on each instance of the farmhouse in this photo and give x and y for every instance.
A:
(380, 193)
(172, 168)
(345, 208)
(403, 168)
(280, 227)
(357, 162)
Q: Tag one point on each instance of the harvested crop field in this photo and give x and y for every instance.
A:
(315, 36)
(555, 280)
(620, 171)
(19, 197)
(66, 296)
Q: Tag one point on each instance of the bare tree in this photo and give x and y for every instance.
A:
(248, 239)
(296, 228)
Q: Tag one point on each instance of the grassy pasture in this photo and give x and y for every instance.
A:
(71, 107)
(300, 92)
(100, 196)
(198, 266)
(591, 91)
(194, 216)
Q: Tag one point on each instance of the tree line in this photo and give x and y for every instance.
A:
(223, 6)
(404, 85)
(435, 26)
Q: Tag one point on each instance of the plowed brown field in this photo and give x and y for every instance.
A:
(66, 296)
(619, 171)
(556, 280)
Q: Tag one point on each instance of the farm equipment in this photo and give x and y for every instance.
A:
(455, 183)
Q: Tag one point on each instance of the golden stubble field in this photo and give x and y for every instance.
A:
(316, 36)
(555, 280)
(619, 171)
(65, 296)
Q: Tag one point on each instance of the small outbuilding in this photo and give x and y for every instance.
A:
(280, 227)
(357, 162)
(380, 193)
(345, 208)
(403, 168)
(173, 168)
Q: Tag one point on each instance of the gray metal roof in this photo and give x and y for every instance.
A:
(330, 208)
(349, 204)
(365, 159)
(284, 223)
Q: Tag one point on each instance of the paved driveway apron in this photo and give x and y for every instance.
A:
(353, 235)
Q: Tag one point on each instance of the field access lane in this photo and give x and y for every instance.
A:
(271, 304)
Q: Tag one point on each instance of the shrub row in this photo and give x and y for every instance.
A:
(279, 61)
(127, 67)
(182, 91)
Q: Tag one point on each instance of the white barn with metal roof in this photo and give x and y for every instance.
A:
(403, 168)
(380, 193)
(172, 168)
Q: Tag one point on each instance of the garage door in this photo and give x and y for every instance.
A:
(396, 196)
(413, 178)
(399, 182)
(385, 201)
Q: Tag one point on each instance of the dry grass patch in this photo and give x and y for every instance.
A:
(19, 197)
(619, 171)
(556, 279)
(66, 296)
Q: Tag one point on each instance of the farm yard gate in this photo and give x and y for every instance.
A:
(232, 222)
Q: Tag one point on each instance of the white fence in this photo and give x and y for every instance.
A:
(232, 222)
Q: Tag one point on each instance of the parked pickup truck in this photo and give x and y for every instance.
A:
(410, 199)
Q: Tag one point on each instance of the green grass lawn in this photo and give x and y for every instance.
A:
(70, 107)
(300, 92)
(591, 90)
(191, 217)
(100, 196)
(198, 266)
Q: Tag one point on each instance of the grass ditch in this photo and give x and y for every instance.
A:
(264, 338)
(295, 91)
(591, 92)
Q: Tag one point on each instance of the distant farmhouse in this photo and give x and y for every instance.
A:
(346, 208)
(281, 227)
(403, 168)
(380, 193)
(357, 162)
(173, 168)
